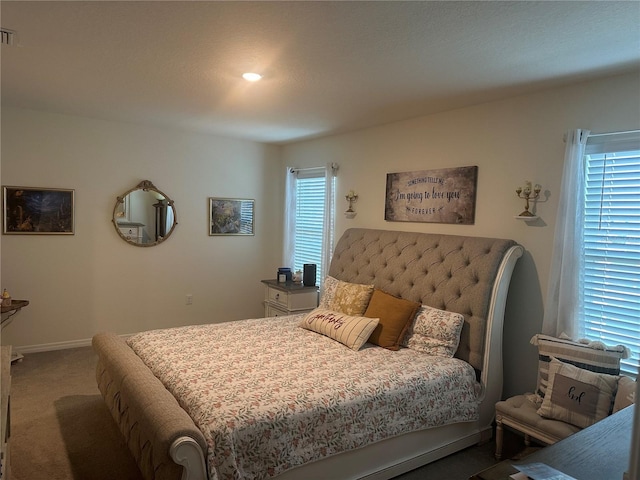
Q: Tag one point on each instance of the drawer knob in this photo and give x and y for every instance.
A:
(277, 296)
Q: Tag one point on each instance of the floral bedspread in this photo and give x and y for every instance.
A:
(269, 395)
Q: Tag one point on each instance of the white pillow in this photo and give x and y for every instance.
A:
(348, 330)
(626, 394)
(436, 332)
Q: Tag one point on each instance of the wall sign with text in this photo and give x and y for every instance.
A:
(447, 195)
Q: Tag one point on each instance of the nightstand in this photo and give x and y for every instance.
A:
(288, 298)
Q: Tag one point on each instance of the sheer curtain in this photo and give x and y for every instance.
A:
(329, 216)
(289, 218)
(564, 294)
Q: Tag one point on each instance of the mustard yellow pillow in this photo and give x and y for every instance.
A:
(395, 314)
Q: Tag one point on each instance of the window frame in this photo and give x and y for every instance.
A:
(609, 311)
(323, 231)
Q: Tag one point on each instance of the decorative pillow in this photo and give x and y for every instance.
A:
(436, 332)
(626, 394)
(395, 315)
(345, 297)
(576, 354)
(348, 330)
(329, 287)
(577, 396)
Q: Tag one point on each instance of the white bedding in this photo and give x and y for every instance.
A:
(269, 395)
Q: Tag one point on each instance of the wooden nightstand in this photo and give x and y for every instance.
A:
(288, 298)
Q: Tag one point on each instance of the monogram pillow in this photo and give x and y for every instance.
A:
(349, 330)
(577, 396)
(577, 354)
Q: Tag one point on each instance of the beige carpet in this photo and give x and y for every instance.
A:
(61, 429)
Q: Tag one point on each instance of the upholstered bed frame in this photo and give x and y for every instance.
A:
(468, 275)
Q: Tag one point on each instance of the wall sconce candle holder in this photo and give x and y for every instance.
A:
(528, 194)
(351, 197)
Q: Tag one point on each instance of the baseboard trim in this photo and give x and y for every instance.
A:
(49, 347)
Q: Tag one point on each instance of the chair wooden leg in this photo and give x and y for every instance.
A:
(499, 437)
(527, 440)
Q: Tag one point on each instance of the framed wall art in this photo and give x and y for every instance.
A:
(447, 195)
(38, 211)
(231, 216)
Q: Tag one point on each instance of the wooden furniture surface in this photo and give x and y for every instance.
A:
(598, 452)
(8, 312)
(15, 305)
(520, 413)
(287, 298)
(5, 420)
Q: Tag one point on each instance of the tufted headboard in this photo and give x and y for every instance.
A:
(449, 272)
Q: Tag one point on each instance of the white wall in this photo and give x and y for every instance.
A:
(510, 141)
(93, 281)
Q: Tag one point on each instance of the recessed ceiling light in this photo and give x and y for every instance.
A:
(251, 77)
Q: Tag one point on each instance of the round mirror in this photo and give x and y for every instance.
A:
(144, 216)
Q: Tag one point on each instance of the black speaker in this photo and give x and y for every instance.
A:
(309, 275)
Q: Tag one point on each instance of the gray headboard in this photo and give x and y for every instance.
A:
(448, 272)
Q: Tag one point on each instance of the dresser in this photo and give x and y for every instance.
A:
(131, 230)
(288, 298)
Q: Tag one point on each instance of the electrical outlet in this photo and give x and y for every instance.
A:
(189, 299)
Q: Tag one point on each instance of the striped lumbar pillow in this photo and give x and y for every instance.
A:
(581, 355)
(349, 330)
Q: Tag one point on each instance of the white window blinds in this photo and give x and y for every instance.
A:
(610, 277)
(310, 194)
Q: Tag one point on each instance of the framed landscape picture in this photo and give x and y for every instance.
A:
(38, 211)
(231, 216)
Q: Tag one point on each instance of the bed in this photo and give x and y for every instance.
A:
(265, 398)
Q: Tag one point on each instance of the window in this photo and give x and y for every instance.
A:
(310, 213)
(610, 272)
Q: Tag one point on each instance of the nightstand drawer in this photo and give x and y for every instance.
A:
(273, 311)
(132, 233)
(288, 298)
(277, 296)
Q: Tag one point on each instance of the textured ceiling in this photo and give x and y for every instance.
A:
(329, 66)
